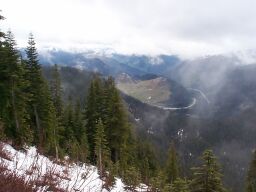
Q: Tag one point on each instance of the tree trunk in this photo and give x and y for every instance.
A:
(56, 147)
(100, 162)
(39, 131)
(15, 112)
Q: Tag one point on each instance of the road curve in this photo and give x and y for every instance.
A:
(177, 108)
(201, 93)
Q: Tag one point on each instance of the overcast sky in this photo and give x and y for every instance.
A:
(185, 27)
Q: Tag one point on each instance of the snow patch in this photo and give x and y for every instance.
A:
(70, 177)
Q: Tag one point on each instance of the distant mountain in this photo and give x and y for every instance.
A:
(110, 64)
(87, 61)
(149, 64)
(143, 83)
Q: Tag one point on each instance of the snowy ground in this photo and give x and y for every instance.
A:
(69, 177)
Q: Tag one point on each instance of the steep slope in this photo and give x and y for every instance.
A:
(206, 74)
(39, 173)
(154, 90)
(238, 93)
(229, 130)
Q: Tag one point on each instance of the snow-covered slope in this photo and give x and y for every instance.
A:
(42, 172)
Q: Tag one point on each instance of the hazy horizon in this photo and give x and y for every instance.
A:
(184, 28)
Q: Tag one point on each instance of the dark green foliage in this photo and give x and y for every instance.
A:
(1, 33)
(118, 128)
(68, 122)
(172, 167)
(146, 160)
(207, 177)
(56, 91)
(73, 138)
(180, 185)
(43, 115)
(132, 178)
(79, 125)
(251, 176)
(101, 149)
(84, 148)
(159, 182)
(92, 113)
(104, 102)
(15, 99)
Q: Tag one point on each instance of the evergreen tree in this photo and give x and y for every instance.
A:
(103, 102)
(92, 113)
(180, 185)
(13, 102)
(43, 114)
(251, 176)
(172, 168)
(84, 148)
(132, 178)
(34, 76)
(101, 150)
(159, 182)
(49, 122)
(207, 177)
(79, 131)
(1, 33)
(79, 126)
(17, 85)
(56, 91)
(68, 123)
(74, 149)
(3, 88)
(146, 160)
(4, 96)
(117, 126)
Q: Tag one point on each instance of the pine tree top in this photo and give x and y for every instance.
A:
(31, 51)
(1, 18)
(207, 177)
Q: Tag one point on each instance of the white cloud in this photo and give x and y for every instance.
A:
(184, 27)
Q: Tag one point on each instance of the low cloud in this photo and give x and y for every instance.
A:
(186, 28)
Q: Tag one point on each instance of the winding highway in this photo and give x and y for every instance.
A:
(177, 108)
(201, 93)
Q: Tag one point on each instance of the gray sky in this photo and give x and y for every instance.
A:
(185, 27)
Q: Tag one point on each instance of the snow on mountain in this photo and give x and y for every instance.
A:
(42, 172)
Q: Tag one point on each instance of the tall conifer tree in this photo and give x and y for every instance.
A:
(101, 150)
(172, 167)
(117, 126)
(1, 33)
(207, 177)
(56, 91)
(42, 108)
(17, 91)
(4, 97)
(35, 89)
(93, 112)
(68, 123)
(251, 176)
(180, 185)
